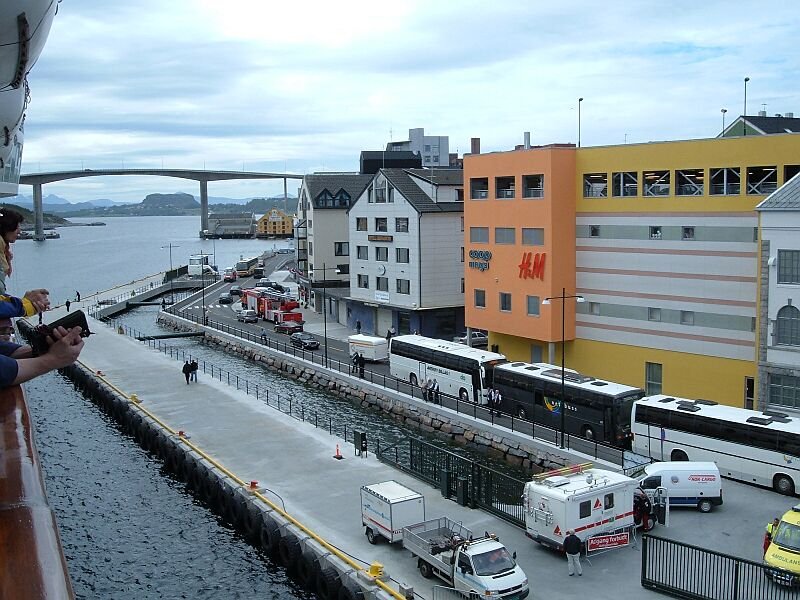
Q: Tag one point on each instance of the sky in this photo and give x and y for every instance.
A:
(305, 86)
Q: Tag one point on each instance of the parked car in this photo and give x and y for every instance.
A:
(274, 285)
(304, 340)
(235, 290)
(479, 339)
(225, 298)
(247, 316)
(229, 274)
(288, 327)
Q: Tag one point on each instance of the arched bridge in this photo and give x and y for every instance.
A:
(37, 180)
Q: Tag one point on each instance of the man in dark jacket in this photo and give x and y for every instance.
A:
(193, 367)
(572, 546)
(187, 371)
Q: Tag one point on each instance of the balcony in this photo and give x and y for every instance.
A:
(479, 188)
(534, 192)
(504, 188)
(480, 194)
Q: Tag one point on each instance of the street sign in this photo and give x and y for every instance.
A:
(607, 542)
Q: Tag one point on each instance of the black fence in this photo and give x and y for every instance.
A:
(470, 483)
(686, 571)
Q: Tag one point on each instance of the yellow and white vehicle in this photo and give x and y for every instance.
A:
(784, 551)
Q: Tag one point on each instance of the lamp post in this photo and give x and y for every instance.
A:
(172, 275)
(563, 297)
(325, 305)
(579, 121)
(723, 111)
(744, 114)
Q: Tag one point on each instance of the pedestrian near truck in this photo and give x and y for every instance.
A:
(572, 547)
(361, 362)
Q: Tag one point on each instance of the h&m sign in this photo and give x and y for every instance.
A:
(532, 265)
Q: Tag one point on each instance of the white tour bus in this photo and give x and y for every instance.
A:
(756, 447)
(199, 264)
(458, 369)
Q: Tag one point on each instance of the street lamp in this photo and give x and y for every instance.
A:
(325, 304)
(579, 121)
(172, 275)
(744, 114)
(563, 297)
(723, 111)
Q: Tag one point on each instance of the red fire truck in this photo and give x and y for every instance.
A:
(271, 306)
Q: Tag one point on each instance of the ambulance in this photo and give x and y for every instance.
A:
(593, 502)
(784, 550)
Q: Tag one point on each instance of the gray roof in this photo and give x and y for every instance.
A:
(405, 185)
(440, 176)
(352, 183)
(770, 125)
(786, 197)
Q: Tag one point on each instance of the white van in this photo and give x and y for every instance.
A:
(370, 347)
(688, 483)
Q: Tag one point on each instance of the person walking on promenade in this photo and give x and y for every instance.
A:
(572, 546)
(77, 296)
(498, 400)
(263, 335)
(67, 303)
(388, 334)
(187, 370)
(361, 362)
(771, 529)
(354, 362)
(435, 398)
(424, 387)
(194, 368)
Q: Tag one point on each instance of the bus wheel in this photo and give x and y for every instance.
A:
(521, 412)
(463, 395)
(783, 484)
(678, 455)
(412, 379)
(588, 433)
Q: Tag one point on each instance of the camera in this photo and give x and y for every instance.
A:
(38, 335)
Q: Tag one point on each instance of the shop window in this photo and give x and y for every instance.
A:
(505, 235)
(505, 302)
(480, 298)
(479, 235)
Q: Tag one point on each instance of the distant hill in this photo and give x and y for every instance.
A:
(49, 219)
(179, 200)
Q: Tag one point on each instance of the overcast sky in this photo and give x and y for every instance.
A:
(304, 86)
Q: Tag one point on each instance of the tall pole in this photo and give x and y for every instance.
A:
(203, 284)
(579, 121)
(171, 277)
(563, 360)
(744, 114)
(325, 311)
(723, 111)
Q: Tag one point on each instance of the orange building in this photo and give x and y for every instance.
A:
(520, 236)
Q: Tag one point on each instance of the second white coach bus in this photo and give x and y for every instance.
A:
(458, 369)
(752, 446)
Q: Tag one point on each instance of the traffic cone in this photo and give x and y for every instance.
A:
(338, 455)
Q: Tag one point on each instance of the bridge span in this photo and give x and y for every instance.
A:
(37, 180)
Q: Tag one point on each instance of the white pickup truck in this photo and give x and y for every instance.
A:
(480, 565)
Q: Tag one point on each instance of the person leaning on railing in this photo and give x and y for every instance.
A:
(17, 363)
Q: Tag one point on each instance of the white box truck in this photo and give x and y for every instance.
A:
(695, 484)
(480, 566)
(591, 501)
(373, 349)
(388, 507)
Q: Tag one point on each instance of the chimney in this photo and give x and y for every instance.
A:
(762, 113)
(475, 146)
(789, 115)
(527, 137)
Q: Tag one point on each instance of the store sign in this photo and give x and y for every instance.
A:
(480, 259)
(382, 296)
(532, 265)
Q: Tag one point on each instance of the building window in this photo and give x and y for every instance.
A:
(533, 306)
(362, 252)
(655, 232)
(403, 286)
(462, 285)
(380, 195)
(762, 180)
(532, 236)
(653, 314)
(462, 224)
(656, 183)
(402, 255)
(390, 190)
(479, 235)
(382, 284)
(381, 224)
(311, 248)
(341, 248)
(595, 185)
(532, 186)
(725, 181)
(594, 308)
(401, 224)
(343, 269)
(625, 184)
(689, 182)
(789, 266)
(687, 317)
(784, 390)
(787, 326)
(382, 253)
(505, 302)
(687, 233)
(479, 188)
(480, 298)
(369, 194)
(505, 235)
(462, 254)
(652, 378)
(363, 282)
(594, 230)
(504, 187)
(361, 223)
(427, 147)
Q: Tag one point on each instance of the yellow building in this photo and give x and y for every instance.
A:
(665, 256)
(275, 223)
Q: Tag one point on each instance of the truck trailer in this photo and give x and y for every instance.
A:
(388, 507)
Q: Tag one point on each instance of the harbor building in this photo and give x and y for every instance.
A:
(661, 241)
(433, 150)
(407, 253)
(779, 315)
(275, 223)
(230, 225)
